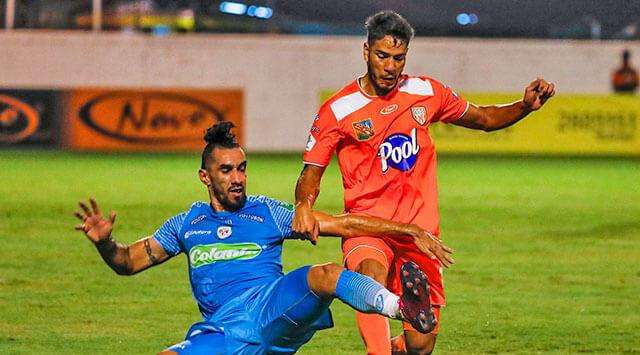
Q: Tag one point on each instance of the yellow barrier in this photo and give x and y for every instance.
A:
(567, 124)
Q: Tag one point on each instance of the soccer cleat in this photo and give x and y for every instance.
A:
(414, 303)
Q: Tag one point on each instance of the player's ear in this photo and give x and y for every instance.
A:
(365, 51)
(204, 177)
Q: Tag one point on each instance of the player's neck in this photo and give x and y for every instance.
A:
(216, 206)
(369, 88)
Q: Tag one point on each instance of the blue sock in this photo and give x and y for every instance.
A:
(366, 295)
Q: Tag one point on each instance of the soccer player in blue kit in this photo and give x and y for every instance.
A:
(233, 246)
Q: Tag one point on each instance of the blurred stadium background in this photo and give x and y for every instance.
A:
(110, 99)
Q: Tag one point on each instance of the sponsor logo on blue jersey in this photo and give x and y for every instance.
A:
(399, 151)
(251, 217)
(198, 219)
(207, 254)
(192, 233)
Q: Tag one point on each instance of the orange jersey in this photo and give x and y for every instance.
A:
(385, 153)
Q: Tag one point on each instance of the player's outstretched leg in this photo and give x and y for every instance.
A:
(415, 303)
(359, 291)
(366, 295)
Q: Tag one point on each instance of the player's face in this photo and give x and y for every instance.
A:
(226, 178)
(385, 62)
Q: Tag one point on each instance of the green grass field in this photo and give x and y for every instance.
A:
(547, 250)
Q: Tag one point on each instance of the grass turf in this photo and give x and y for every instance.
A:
(547, 253)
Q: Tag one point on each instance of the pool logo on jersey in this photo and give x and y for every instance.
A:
(363, 129)
(224, 232)
(419, 114)
(389, 109)
(399, 151)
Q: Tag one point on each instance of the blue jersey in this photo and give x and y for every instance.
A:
(228, 252)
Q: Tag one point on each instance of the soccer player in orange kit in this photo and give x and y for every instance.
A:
(378, 126)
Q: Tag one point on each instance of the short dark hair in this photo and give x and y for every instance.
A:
(388, 23)
(218, 135)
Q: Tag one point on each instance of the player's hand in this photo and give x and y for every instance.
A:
(433, 247)
(94, 225)
(537, 93)
(305, 225)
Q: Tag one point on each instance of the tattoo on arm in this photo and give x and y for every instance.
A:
(147, 248)
(114, 254)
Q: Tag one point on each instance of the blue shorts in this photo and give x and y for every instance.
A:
(278, 317)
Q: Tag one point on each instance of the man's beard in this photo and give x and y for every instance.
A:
(379, 91)
(227, 203)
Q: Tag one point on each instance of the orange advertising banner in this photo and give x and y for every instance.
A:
(146, 120)
(28, 117)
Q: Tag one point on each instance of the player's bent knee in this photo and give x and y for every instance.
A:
(374, 269)
(323, 278)
(420, 344)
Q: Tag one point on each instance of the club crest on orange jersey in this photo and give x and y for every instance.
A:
(419, 114)
(363, 129)
(389, 109)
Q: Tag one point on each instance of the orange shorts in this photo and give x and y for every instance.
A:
(392, 256)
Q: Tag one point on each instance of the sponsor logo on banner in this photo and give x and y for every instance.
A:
(399, 151)
(616, 125)
(18, 120)
(389, 109)
(211, 253)
(148, 117)
(419, 114)
(147, 120)
(192, 233)
(224, 232)
(363, 129)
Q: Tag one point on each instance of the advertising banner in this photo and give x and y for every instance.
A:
(146, 120)
(27, 117)
(566, 125)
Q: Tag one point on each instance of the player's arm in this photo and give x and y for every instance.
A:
(495, 117)
(349, 226)
(323, 138)
(307, 190)
(123, 259)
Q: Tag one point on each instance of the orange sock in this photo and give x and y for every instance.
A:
(374, 330)
(398, 345)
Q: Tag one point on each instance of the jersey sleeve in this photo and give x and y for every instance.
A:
(167, 235)
(282, 213)
(452, 106)
(323, 138)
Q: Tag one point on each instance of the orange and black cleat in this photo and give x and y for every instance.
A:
(414, 302)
